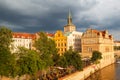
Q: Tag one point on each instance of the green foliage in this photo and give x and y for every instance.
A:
(70, 58)
(96, 56)
(46, 48)
(7, 60)
(116, 47)
(5, 37)
(62, 62)
(29, 63)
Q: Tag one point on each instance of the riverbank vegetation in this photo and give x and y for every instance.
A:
(42, 63)
(116, 48)
(96, 56)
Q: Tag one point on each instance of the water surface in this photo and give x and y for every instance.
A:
(111, 72)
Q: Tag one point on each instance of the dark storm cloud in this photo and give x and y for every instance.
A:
(51, 15)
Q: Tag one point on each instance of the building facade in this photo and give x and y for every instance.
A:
(61, 42)
(95, 40)
(69, 38)
(22, 40)
(74, 40)
(117, 43)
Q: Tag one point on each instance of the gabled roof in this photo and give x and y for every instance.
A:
(104, 32)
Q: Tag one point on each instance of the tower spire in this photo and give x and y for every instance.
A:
(70, 27)
(69, 18)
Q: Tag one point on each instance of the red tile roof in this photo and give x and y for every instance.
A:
(103, 33)
(24, 35)
(95, 31)
(50, 34)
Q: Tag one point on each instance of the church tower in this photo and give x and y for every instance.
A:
(70, 26)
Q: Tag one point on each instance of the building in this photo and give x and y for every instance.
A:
(70, 37)
(70, 26)
(95, 40)
(50, 35)
(22, 40)
(73, 36)
(117, 43)
(74, 40)
(61, 42)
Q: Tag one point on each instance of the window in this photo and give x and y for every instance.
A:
(65, 44)
(65, 49)
(61, 49)
(58, 44)
(89, 49)
(107, 49)
(61, 44)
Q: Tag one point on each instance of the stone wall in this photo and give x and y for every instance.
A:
(81, 75)
(24, 77)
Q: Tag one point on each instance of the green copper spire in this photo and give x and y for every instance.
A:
(69, 18)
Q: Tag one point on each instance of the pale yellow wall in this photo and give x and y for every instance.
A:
(69, 28)
(92, 41)
(104, 44)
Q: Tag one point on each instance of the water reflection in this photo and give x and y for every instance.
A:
(111, 72)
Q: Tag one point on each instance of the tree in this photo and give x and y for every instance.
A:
(73, 59)
(116, 48)
(5, 37)
(70, 58)
(7, 60)
(62, 62)
(96, 56)
(29, 62)
(46, 48)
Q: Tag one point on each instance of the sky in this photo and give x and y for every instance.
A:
(51, 15)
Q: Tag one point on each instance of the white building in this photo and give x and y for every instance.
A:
(22, 40)
(73, 36)
(74, 40)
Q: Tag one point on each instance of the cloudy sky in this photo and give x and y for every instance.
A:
(51, 15)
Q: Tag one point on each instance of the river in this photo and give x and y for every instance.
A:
(111, 72)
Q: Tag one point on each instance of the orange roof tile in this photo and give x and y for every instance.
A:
(24, 35)
(50, 34)
(95, 31)
(102, 32)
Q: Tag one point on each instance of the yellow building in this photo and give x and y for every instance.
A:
(61, 42)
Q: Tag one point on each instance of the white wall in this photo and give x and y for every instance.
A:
(21, 42)
(74, 40)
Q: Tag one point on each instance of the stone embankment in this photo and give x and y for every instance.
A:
(82, 75)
